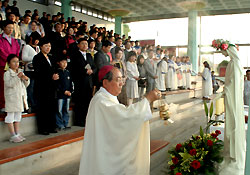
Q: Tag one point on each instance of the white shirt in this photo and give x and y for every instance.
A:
(83, 54)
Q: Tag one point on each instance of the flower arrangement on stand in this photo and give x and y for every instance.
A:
(196, 156)
(200, 154)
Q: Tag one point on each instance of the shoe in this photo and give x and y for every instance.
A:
(44, 133)
(15, 139)
(53, 131)
(67, 127)
(21, 137)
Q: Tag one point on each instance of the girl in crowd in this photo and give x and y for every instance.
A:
(207, 87)
(91, 48)
(15, 83)
(133, 77)
(28, 53)
(119, 63)
(142, 75)
(69, 38)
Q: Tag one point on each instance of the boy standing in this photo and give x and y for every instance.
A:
(64, 90)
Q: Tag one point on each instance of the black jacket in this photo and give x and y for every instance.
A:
(81, 79)
(43, 71)
(64, 83)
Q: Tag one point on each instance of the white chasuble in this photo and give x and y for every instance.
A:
(117, 138)
(235, 138)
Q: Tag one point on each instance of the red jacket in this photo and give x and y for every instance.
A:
(6, 48)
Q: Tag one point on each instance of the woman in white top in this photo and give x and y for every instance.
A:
(207, 86)
(133, 77)
(28, 52)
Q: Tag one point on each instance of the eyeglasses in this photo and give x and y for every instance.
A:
(120, 79)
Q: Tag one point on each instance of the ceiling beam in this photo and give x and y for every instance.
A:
(183, 15)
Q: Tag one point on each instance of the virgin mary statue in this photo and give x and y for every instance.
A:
(234, 139)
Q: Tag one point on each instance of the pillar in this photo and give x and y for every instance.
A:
(193, 39)
(118, 25)
(66, 9)
(247, 167)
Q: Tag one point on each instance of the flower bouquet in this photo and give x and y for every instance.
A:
(221, 44)
(196, 156)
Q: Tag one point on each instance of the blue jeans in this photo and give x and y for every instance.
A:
(62, 115)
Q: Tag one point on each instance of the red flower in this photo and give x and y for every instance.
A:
(192, 152)
(224, 46)
(178, 174)
(198, 137)
(178, 147)
(196, 164)
(210, 143)
(218, 132)
(214, 43)
(175, 160)
(214, 135)
(172, 167)
(190, 144)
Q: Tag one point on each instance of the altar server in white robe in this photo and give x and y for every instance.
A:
(188, 72)
(162, 69)
(235, 138)
(179, 73)
(247, 88)
(207, 85)
(116, 140)
(133, 77)
(183, 68)
(171, 80)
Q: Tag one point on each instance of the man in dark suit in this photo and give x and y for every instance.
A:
(102, 58)
(83, 70)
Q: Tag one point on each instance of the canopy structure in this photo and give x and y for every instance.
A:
(141, 10)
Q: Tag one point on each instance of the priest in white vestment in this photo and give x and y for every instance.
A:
(247, 88)
(234, 138)
(116, 140)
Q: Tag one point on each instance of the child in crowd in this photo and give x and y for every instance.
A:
(133, 77)
(188, 72)
(15, 84)
(64, 90)
(142, 76)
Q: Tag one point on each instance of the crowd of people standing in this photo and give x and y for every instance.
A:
(60, 60)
